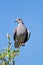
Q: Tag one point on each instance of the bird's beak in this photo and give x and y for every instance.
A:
(15, 21)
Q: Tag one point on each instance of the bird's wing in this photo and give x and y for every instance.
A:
(29, 34)
(15, 33)
(26, 36)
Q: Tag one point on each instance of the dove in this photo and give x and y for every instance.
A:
(20, 34)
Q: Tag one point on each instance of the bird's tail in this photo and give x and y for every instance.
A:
(16, 45)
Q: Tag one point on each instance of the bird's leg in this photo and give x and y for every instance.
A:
(22, 44)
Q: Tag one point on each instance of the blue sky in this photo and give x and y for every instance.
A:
(31, 11)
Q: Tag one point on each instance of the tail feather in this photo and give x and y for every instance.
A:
(16, 45)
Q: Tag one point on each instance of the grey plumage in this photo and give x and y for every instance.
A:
(21, 35)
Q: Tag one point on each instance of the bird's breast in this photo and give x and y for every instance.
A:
(21, 37)
(21, 29)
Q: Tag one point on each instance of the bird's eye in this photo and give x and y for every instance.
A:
(18, 19)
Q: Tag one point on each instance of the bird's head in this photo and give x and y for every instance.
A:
(19, 20)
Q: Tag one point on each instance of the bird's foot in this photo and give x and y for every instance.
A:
(22, 44)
